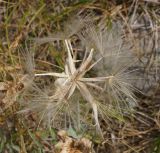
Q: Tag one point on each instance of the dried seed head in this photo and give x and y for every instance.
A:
(113, 62)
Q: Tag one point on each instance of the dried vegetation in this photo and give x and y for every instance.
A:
(88, 67)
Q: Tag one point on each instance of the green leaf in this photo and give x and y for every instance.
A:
(71, 132)
(16, 148)
(2, 141)
(34, 139)
(84, 1)
(52, 132)
(156, 148)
